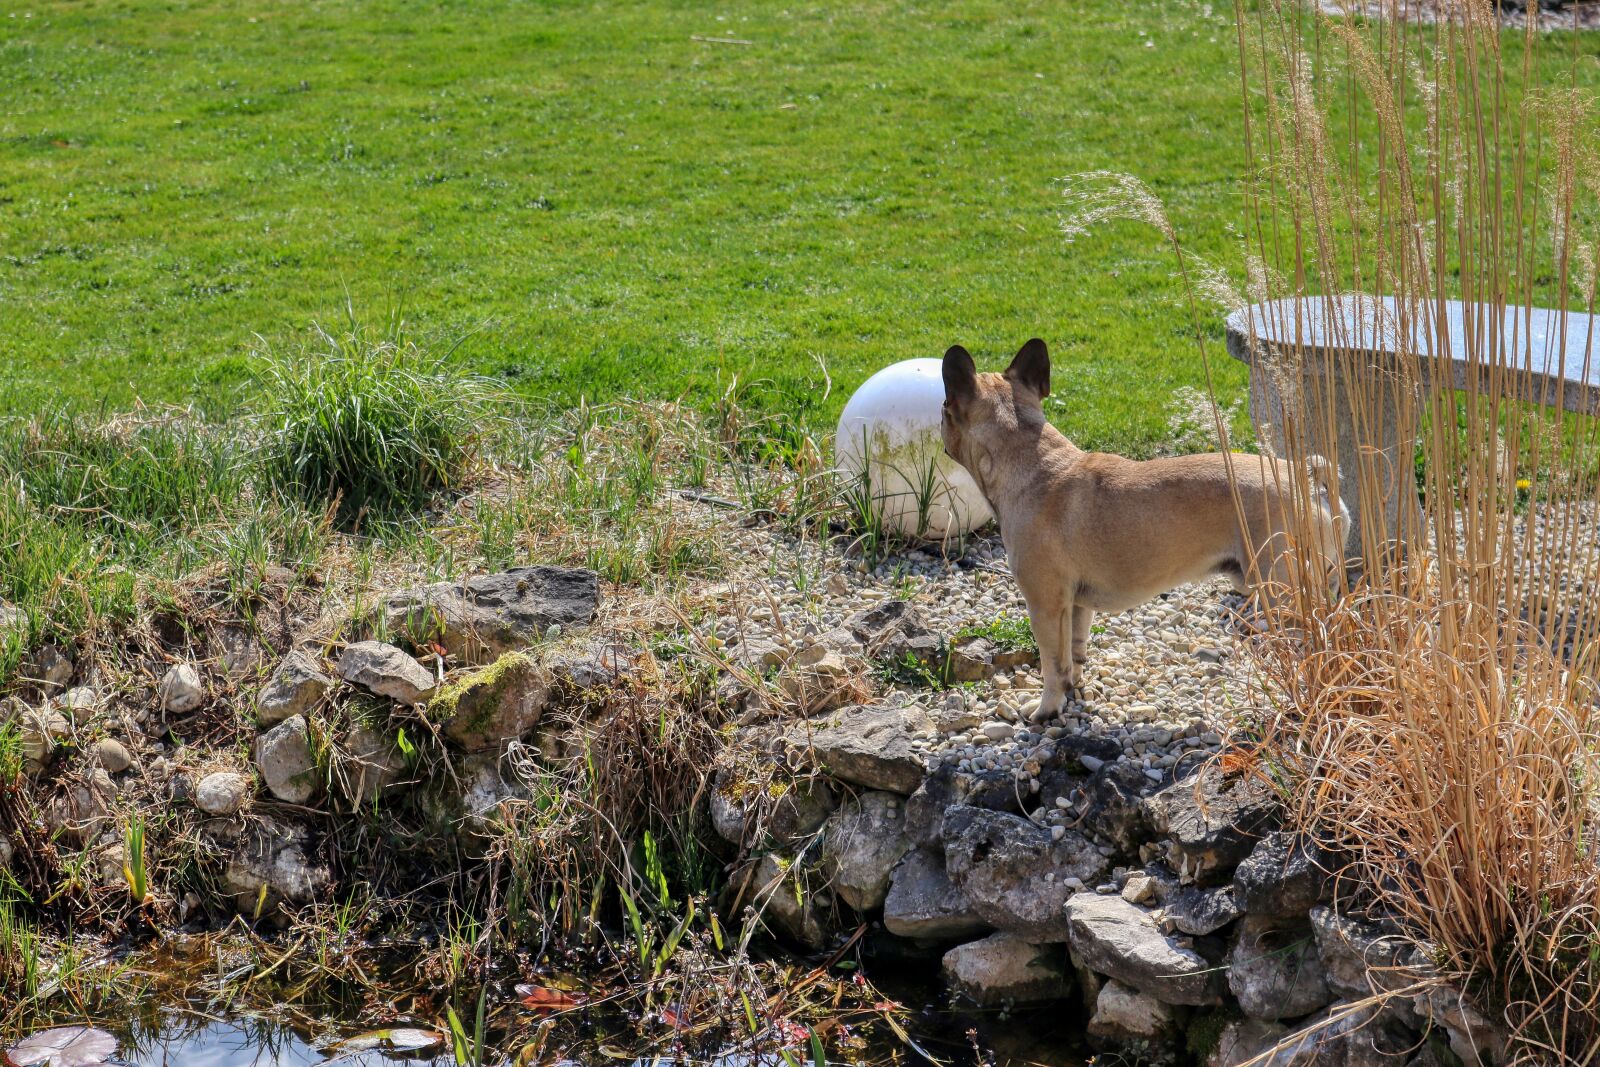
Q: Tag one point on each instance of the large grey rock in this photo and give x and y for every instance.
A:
(370, 764)
(491, 614)
(1135, 1026)
(861, 844)
(1360, 957)
(749, 815)
(387, 671)
(1005, 969)
(1012, 872)
(869, 745)
(1344, 1035)
(269, 868)
(468, 803)
(947, 787)
(493, 705)
(39, 730)
(1473, 1038)
(1274, 971)
(180, 689)
(285, 762)
(977, 659)
(1284, 876)
(1211, 821)
(1243, 1040)
(1123, 941)
(82, 808)
(818, 680)
(294, 689)
(1193, 910)
(894, 631)
(221, 793)
(922, 903)
(791, 906)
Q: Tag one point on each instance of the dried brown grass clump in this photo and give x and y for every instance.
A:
(1437, 718)
(1434, 714)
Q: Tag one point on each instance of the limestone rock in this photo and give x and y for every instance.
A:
(1274, 971)
(819, 679)
(1211, 822)
(1136, 1026)
(370, 763)
(268, 868)
(222, 793)
(180, 690)
(791, 906)
(491, 614)
(1013, 873)
(869, 745)
(1360, 957)
(82, 809)
(977, 659)
(294, 689)
(742, 812)
(111, 754)
(861, 844)
(1122, 941)
(894, 631)
(285, 762)
(50, 668)
(495, 704)
(1243, 1040)
(1473, 1038)
(41, 729)
(1004, 969)
(1284, 876)
(947, 787)
(922, 903)
(386, 671)
(1344, 1036)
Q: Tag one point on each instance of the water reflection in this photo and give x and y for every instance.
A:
(179, 1038)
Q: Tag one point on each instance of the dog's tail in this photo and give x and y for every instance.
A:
(1325, 473)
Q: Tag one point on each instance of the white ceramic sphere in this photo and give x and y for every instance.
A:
(890, 430)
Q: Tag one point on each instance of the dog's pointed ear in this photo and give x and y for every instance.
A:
(960, 375)
(1031, 367)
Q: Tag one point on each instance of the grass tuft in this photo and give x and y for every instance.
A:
(367, 421)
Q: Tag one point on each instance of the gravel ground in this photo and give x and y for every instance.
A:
(1158, 680)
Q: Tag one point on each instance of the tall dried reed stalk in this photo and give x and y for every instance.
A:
(1433, 718)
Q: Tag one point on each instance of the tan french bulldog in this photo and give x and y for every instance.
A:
(1090, 531)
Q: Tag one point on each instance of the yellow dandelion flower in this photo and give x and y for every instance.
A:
(1523, 483)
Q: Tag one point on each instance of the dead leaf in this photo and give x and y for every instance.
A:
(65, 1046)
(398, 1039)
(543, 998)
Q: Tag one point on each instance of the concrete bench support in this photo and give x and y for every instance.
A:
(1334, 371)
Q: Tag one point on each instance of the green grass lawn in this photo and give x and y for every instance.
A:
(590, 199)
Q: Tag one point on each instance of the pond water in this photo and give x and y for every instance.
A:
(181, 1038)
(176, 1034)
